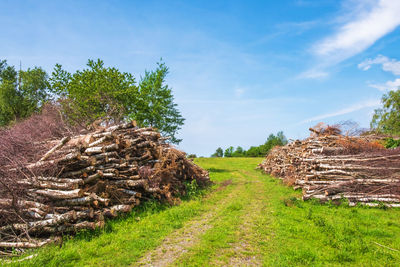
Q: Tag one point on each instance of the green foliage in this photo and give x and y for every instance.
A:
(229, 152)
(192, 190)
(239, 152)
(155, 104)
(387, 118)
(219, 153)
(272, 141)
(21, 93)
(254, 151)
(106, 94)
(392, 143)
(192, 156)
(95, 93)
(92, 95)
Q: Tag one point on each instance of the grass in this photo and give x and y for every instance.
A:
(252, 220)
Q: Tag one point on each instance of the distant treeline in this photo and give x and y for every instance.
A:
(255, 151)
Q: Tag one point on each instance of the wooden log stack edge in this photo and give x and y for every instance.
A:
(82, 180)
(324, 168)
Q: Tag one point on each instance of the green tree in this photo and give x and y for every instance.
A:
(105, 93)
(95, 93)
(35, 89)
(272, 141)
(387, 118)
(239, 152)
(21, 93)
(155, 104)
(229, 152)
(253, 151)
(219, 153)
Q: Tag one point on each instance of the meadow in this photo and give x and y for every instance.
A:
(245, 218)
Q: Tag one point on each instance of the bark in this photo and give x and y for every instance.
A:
(60, 194)
(31, 244)
(61, 144)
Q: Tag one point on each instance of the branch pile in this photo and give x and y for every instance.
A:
(83, 179)
(329, 166)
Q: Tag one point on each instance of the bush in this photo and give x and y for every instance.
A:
(392, 143)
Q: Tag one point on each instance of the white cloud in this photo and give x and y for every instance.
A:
(370, 21)
(357, 35)
(390, 65)
(313, 74)
(350, 109)
(388, 86)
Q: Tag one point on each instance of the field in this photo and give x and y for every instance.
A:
(246, 218)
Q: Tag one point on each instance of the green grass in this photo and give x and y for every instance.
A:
(255, 220)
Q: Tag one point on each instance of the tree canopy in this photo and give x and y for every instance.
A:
(155, 105)
(387, 118)
(92, 95)
(105, 93)
(21, 92)
(97, 92)
(219, 153)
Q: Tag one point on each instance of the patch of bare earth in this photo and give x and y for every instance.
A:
(180, 240)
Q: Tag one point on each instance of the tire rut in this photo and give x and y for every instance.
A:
(244, 252)
(178, 242)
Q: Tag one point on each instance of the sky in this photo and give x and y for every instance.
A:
(239, 70)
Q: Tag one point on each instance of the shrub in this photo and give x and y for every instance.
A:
(392, 143)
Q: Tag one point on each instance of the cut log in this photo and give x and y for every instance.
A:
(94, 150)
(61, 180)
(60, 194)
(31, 244)
(61, 144)
(93, 177)
(55, 185)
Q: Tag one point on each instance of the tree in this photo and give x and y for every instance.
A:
(272, 141)
(229, 152)
(155, 106)
(387, 118)
(253, 151)
(219, 153)
(21, 93)
(104, 93)
(239, 152)
(35, 89)
(94, 93)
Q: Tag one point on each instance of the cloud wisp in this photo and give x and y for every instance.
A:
(388, 86)
(347, 110)
(357, 35)
(368, 24)
(389, 65)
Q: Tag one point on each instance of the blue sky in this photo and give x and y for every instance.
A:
(239, 70)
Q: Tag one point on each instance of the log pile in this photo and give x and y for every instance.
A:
(84, 179)
(331, 167)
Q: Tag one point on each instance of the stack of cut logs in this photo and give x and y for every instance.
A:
(325, 169)
(84, 179)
